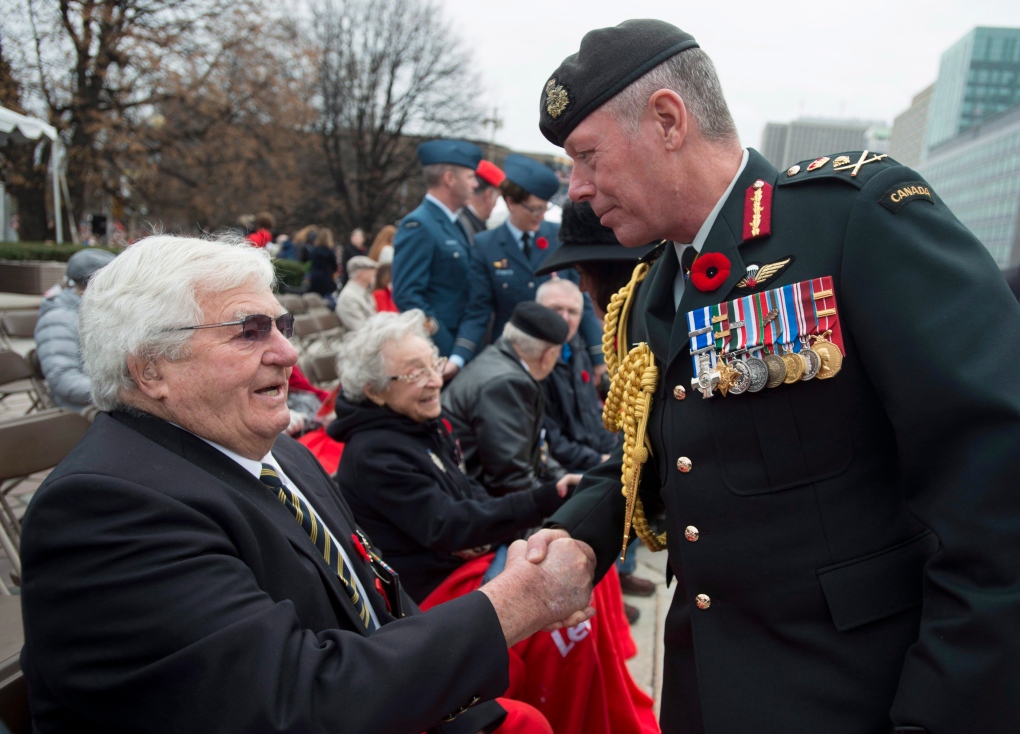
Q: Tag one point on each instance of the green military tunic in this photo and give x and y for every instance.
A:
(846, 551)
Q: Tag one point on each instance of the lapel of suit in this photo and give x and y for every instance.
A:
(236, 478)
(337, 518)
(726, 237)
(659, 312)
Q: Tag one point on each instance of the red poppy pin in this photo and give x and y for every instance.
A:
(541, 243)
(585, 377)
(710, 271)
(447, 426)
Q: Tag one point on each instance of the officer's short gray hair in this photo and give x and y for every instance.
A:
(558, 284)
(690, 74)
(133, 305)
(526, 345)
(433, 173)
(360, 361)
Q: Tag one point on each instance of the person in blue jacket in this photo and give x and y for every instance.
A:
(431, 250)
(504, 260)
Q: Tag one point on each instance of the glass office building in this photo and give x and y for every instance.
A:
(979, 78)
(977, 174)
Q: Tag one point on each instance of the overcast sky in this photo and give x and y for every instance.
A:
(777, 59)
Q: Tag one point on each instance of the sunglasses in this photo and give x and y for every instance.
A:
(254, 328)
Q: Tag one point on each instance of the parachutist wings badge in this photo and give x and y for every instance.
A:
(758, 274)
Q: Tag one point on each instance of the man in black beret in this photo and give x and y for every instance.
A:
(497, 408)
(834, 426)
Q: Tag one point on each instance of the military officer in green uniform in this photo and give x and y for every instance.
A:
(824, 393)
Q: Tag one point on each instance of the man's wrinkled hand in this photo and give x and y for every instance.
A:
(566, 483)
(539, 542)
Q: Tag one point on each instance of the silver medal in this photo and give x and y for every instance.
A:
(743, 383)
(812, 363)
(759, 373)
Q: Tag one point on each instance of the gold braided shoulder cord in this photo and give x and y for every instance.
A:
(628, 406)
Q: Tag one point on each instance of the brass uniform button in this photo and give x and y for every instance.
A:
(684, 464)
(692, 533)
(506, 285)
(679, 393)
(531, 284)
(702, 601)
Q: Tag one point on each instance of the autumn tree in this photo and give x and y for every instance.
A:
(389, 73)
(97, 69)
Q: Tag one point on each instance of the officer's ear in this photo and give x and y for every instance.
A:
(147, 374)
(669, 113)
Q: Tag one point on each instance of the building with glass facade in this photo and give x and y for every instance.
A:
(910, 131)
(977, 174)
(786, 143)
(979, 78)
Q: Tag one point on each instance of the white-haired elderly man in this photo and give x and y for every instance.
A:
(187, 568)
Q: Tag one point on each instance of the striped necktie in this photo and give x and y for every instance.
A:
(320, 537)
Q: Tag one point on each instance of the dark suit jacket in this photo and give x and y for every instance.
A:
(431, 260)
(166, 590)
(859, 535)
(501, 277)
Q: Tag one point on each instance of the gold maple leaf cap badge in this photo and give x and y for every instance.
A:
(556, 99)
(607, 62)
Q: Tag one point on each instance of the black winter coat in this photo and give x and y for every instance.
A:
(403, 481)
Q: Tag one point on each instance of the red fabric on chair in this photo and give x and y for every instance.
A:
(326, 450)
(577, 677)
(522, 719)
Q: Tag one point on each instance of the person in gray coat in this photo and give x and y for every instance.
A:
(56, 333)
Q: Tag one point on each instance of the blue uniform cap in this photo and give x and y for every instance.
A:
(531, 176)
(456, 152)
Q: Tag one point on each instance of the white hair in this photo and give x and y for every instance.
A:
(133, 305)
(360, 362)
(558, 284)
(526, 345)
(690, 74)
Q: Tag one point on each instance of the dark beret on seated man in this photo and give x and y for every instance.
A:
(188, 569)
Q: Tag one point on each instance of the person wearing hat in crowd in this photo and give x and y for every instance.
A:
(56, 334)
(578, 439)
(504, 259)
(476, 213)
(356, 304)
(496, 406)
(834, 418)
(431, 250)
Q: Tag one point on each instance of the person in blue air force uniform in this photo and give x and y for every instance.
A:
(834, 428)
(431, 250)
(504, 260)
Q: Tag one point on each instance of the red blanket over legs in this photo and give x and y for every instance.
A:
(576, 677)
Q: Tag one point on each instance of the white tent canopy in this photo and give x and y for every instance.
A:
(23, 129)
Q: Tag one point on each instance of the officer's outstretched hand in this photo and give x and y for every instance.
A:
(553, 593)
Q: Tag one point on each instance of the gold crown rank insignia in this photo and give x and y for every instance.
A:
(556, 99)
(758, 274)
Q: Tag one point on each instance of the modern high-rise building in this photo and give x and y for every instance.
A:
(977, 175)
(784, 144)
(910, 131)
(979, 77)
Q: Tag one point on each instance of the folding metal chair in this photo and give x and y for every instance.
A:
(324, 368)
(42, 387)
(17, 377)
(314, 300)
(293, 303)
(28, 445)
(19, 324)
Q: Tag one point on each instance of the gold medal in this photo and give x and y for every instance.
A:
(794, 367)
(832, 358)
(777, 370)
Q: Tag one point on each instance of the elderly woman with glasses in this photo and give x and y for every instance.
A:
(402, 475)
(401, 469)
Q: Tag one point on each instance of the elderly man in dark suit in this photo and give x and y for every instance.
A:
(187, 568)
(834, 429)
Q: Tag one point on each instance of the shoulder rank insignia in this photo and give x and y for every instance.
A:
(412, 224)
(757, 210)
(818, 163)
(758, 274)
(902, 194)
(862, 161)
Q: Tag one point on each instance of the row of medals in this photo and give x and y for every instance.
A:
(739, 374)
